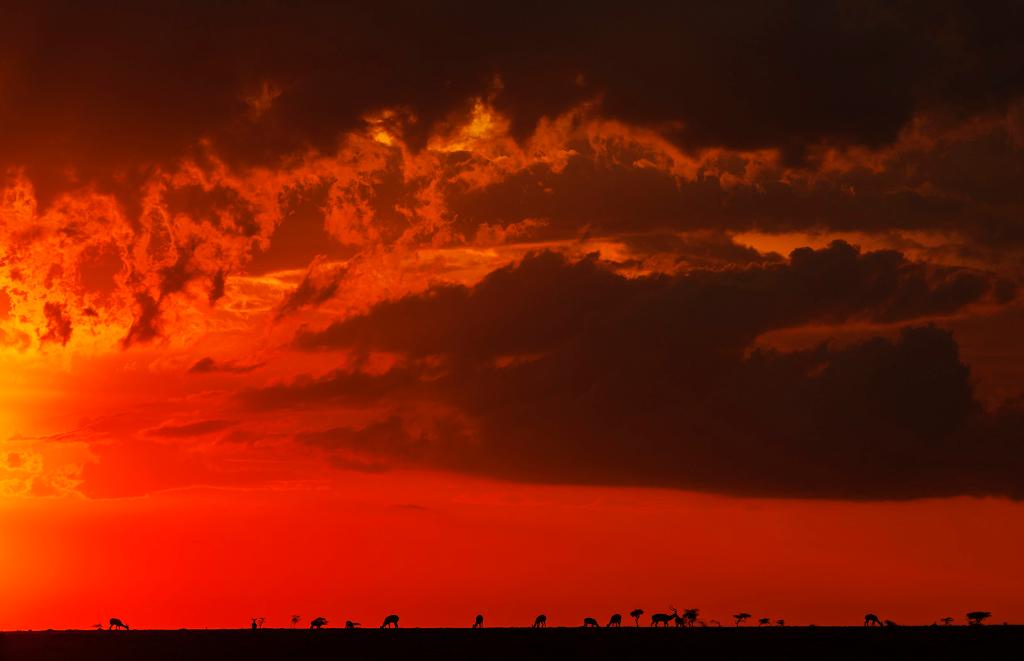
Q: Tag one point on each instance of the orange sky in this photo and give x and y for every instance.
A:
(500, 348)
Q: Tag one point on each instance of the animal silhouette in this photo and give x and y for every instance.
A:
(116, 623)
(615, 621)
(740, 617)
(871, 620)
(975, 618)
(664, 618)
(98, 627)
(890, 623)
(714, 623)
(635, 614)
(764, 621)
(541, 621)
(349, 624)
(590, 622)
(479, 622)
(691, 615)
(317, 623)
(257, 622)
(390, 621)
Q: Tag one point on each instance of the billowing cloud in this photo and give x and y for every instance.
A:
(564, 372)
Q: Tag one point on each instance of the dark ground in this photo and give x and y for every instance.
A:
(990, 642)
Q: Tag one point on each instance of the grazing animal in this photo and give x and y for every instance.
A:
(590, 622)
(116, 623)
(975, 618)
(479, 622)
(740, 617)
(871, 620)
(615, 621)
(764, 621)
(390, 621)
(635, 614)
(349, 624)
(664, 618)
(541, 621)
(691, 615)
(317, 623)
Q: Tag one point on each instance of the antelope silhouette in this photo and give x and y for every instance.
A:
(317, 623)
(615, 621)
(390, 621)
(479, 622)
(541, 621)
(664, 618)
(635, 614)
(590, 622)
(740, 617)
(871, 620)
(116, 623)
(349, 624)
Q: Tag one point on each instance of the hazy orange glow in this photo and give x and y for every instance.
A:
(171, 451)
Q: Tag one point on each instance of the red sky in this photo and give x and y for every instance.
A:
(342, 313)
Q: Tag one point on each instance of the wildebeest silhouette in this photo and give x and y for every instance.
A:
(540, 621)
(349, 624)
(478, 623)
(390, 621)
(664, 618)
(116, 623)
(590, 622)
(317, 623)
(615, 621)
(871, 620)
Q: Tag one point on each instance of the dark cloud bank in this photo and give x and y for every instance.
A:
(137, 84)
(569, 373)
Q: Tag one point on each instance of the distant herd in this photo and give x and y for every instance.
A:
(689, 618)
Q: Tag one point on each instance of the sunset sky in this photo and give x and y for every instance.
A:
(571, 308)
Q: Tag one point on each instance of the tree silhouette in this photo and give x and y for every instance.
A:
(764, 621)
(635, 614)
(740, 617)
(295, 620)
(780, 623)
(975, 618)
(690, 615)
(947, 621)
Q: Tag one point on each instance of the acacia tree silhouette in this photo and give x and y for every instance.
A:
(635, 614)
(947, 620)
(764, 621)
(690, 615)
(740, 617)
(975, 618)
(295, 620)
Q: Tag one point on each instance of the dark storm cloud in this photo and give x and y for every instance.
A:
(570, 373)
(191, 429)
(105, 90)
(208, 365)
(58, 325)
